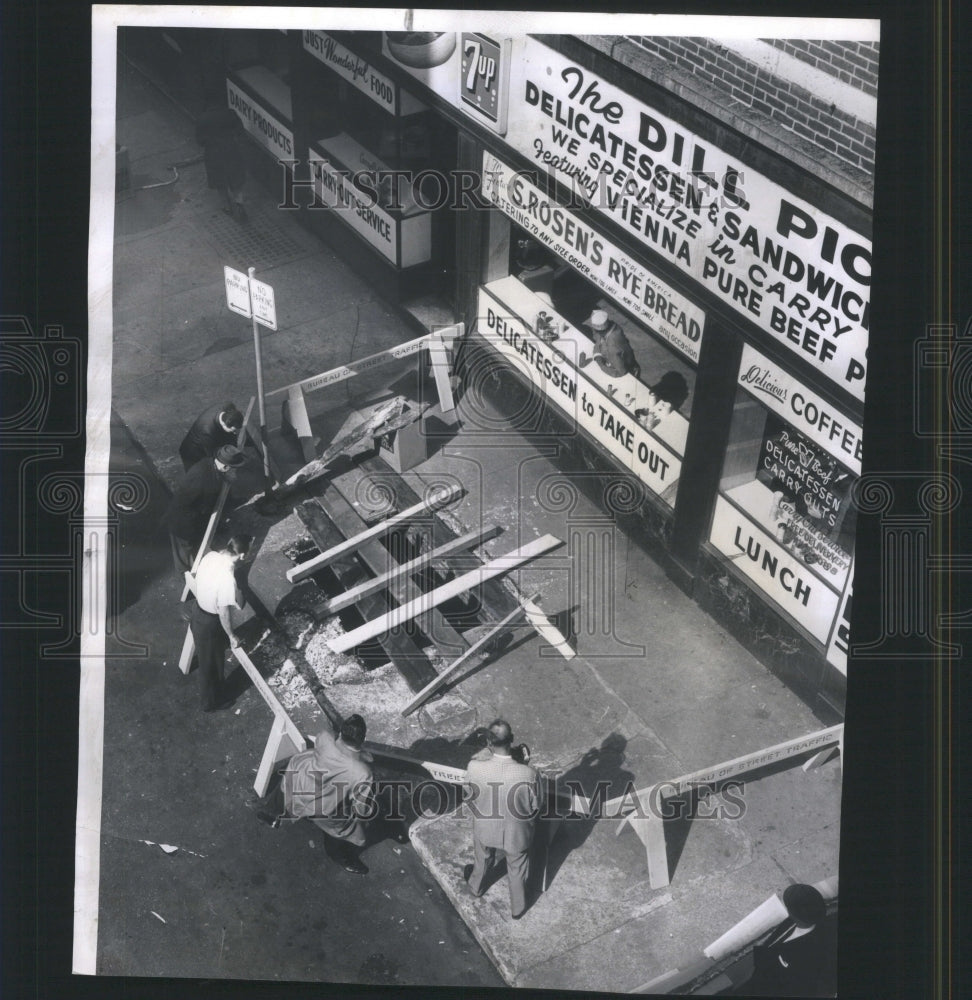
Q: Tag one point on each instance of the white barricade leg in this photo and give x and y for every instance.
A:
(280, 746)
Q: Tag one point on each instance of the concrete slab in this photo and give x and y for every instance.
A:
(138, 211)
(148, 267)
(599, 926)
(659, 934)
(196, 322)
(813, 857)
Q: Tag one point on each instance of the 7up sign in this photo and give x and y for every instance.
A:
(484, 77)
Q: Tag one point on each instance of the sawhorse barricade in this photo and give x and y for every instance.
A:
(643, 808)
(439, 345)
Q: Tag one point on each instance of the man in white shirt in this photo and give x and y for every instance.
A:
(211, 618)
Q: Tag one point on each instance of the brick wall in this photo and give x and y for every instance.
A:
(785, 102)
(856, 63)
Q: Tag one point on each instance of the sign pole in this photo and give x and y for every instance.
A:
(260, 401)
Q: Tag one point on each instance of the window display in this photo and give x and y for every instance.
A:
(625, 385)
(656, 383)
(372, 154)
(785, 516)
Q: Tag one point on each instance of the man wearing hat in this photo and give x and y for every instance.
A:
(211, 618)
(800, 957)
(213, 428)
(612, 351)
(666, 396)
(193, 502)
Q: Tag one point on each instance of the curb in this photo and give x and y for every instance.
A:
(458, 901)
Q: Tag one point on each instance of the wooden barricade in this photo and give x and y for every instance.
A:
(641, 809)
(438, 344)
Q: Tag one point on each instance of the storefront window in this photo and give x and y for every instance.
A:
(552, 309)
(628, 346)
(379, 155)
(608, 325)
(784, 516)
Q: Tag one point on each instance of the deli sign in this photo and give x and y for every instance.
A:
(786, 266)
(813, 416)
(774, 570)
(565, 233)
(554, 375)
(360, 73)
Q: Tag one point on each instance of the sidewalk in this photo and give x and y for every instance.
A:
(657, 688)
(177, 347)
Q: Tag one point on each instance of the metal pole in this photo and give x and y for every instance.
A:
(259, 376)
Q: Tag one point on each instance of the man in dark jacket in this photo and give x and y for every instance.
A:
(193, 502)
(800, 958)
(220, 132)
(213, 428)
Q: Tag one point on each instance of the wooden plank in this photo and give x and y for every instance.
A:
(452, 775)
(651, 832)
(757, 922)
(355, 368)
(442, 373)
(441, 772)
(273, 703)
(469, 540)
(301, 423)
(495, 567)
(821, 758)
(188, 648)
(547, 630)
(438, 499)
(730, 768)
(401, 649)
(281, 746)
(443, 677)
(496, 600)
(377, 558)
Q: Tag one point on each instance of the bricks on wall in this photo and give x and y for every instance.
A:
(782, 101)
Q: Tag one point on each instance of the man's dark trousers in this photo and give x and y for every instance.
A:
(211, 643)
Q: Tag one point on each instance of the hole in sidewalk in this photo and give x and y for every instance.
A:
(407, 543)
(371, 654)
